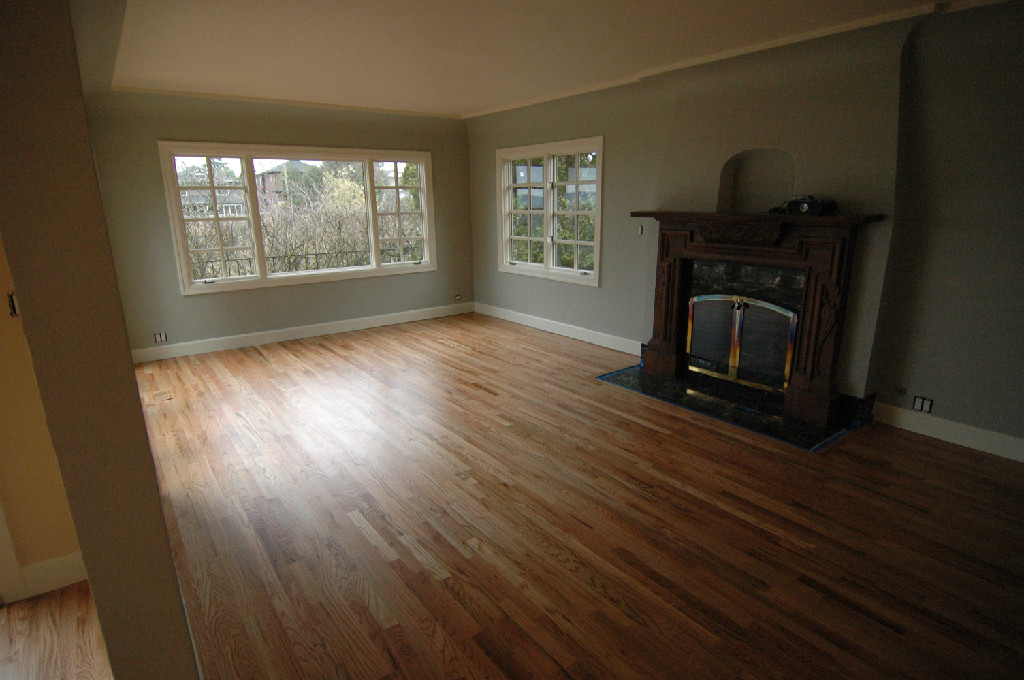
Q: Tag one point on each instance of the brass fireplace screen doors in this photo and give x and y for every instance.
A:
(741, 339)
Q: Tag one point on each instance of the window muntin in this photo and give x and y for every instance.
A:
(399, 215)
(575, 189)
(217, 227)
(549, 209)
(247, 216)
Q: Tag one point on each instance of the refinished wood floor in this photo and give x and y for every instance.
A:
(460, 498)
(54, 636)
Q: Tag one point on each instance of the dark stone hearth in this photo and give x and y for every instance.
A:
(749, 408)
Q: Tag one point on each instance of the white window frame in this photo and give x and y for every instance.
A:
(169, 149)
(548, 151)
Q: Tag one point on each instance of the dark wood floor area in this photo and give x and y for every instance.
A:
(460, 498)
(55, 636)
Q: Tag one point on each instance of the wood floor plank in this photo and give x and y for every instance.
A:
(54, 636)
(461, 498)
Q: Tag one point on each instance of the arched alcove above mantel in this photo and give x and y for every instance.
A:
(756, 180)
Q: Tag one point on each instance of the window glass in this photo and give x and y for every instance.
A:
(313, 214)
(269, 218)
(549, 209)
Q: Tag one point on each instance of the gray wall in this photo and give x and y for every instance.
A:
(831, 102)
(952, 322)
(56, 242)
(125, 129)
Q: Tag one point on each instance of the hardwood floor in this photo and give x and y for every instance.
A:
(460, 498)
(55, 636)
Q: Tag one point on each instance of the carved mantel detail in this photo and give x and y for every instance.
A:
(820, 246)
(739, 234)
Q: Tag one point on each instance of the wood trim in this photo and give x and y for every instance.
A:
(181, 349)
(12, 582)
(995, 443)
(52, 574)
(576, 332)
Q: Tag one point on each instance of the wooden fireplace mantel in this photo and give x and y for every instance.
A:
(821, 246)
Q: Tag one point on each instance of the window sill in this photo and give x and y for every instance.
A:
(566, 276)
(298, 278)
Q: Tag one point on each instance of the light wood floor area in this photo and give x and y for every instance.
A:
(460, 498)
(55, 636)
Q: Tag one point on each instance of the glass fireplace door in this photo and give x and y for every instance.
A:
(741, 339)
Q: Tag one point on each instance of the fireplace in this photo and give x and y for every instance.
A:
(754, 299)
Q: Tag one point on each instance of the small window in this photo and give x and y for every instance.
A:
(254, 216)
(549, 210)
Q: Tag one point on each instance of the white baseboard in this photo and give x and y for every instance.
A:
(12, 583)
(42, 577)
(957, 433)
(181, 349)
(575, 332)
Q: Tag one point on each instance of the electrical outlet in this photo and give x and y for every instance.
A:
(457, 297)
(160, 337)
(923, 405)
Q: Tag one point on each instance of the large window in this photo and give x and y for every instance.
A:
(549, 209)
(249, 216)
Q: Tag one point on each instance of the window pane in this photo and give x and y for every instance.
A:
(537, 170)
(588, 166)
(537, 251)
(412, 225)
(565, 197)
(537, 226)
(387, 200)
(239, 263)
(565, 227)
(520, 199)
(520, 225)
(520, 251)
(313, 214)
(409, 200)
(566, 255)
(384, 174)
(412, 250)
(227, 172)
(586, 258)
(196, 203)
(201, 235)
(234, 233)
(565, 168)
(586, 223)
(192, 171)
(537, 199)
(389, 252)
(205, 265)
(520, 171)
(231, 203)
(588, 197)
(409, 174)
(388, 226)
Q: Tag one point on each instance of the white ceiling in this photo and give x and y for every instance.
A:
(450, 58)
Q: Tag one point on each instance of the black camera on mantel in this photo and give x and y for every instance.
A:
(806, 205)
